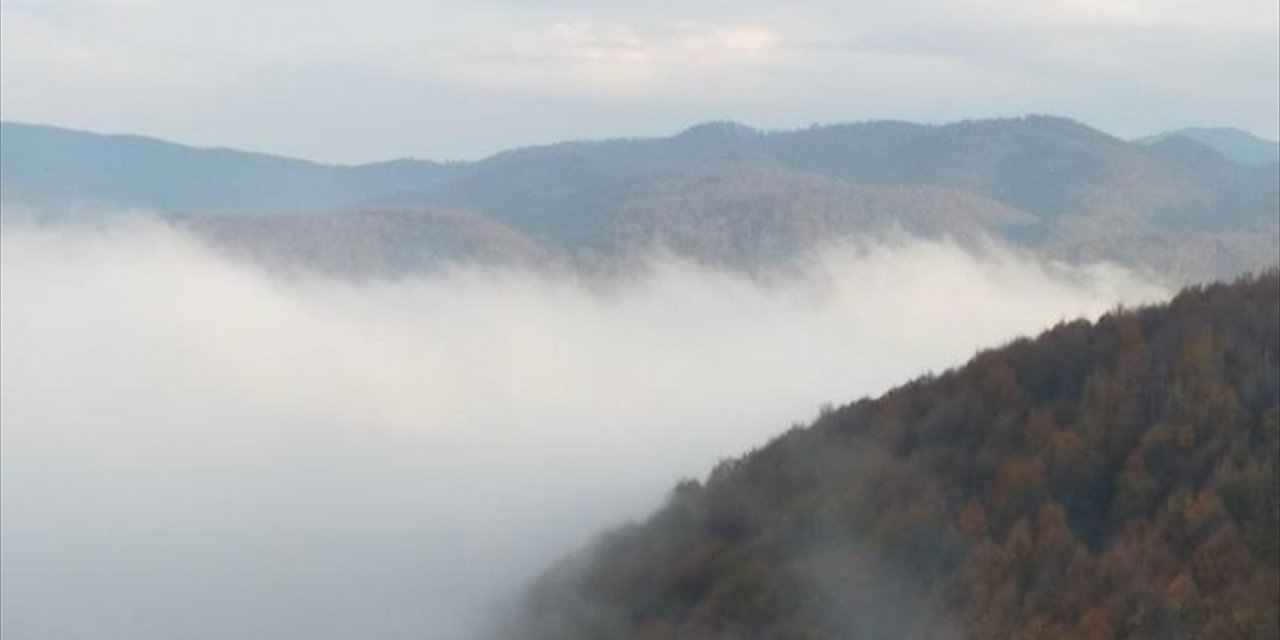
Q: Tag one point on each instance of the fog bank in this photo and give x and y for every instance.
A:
(194, 447)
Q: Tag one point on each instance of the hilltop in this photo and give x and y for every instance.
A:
(1234, 144)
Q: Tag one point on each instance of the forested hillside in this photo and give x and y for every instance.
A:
(367, 243)
(1109, 480)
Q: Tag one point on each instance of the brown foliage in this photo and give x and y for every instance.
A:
(1119, 480)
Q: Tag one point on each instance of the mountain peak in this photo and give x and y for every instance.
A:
(718, 130)
(1234, 144)
(1187, 151)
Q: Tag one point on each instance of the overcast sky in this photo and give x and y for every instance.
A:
(358, 80)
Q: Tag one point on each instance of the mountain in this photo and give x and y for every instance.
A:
(1069, 186)
(1234, 144)
(746, 216)
(1119, 479)
(736, 214)
(368, 243)
(1049, 167)
(50, 165)
(725, 193)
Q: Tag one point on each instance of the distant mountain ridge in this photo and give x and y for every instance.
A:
(719, 192)
(1076, 185)
(48, 163)
(1236, 145)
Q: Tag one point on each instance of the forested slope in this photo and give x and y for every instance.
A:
(1108, 480)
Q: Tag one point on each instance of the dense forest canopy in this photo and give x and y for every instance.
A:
(1109, 480)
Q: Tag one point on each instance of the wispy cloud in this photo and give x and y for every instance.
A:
(587, 57)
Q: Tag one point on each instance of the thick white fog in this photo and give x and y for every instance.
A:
(195, 448)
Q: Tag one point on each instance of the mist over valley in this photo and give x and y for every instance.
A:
(192, 436)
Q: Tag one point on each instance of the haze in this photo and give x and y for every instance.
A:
(194, 447)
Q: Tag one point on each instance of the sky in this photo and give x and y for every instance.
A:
(361, 80)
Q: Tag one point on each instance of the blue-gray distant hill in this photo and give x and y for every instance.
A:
(1234, 144)
(729, 193)
(49, 165)
(720, 192)
(1065, 174)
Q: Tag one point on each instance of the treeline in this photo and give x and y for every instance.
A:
(1111, 480)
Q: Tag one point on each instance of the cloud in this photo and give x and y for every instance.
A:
(194, 447)
(589, 58)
